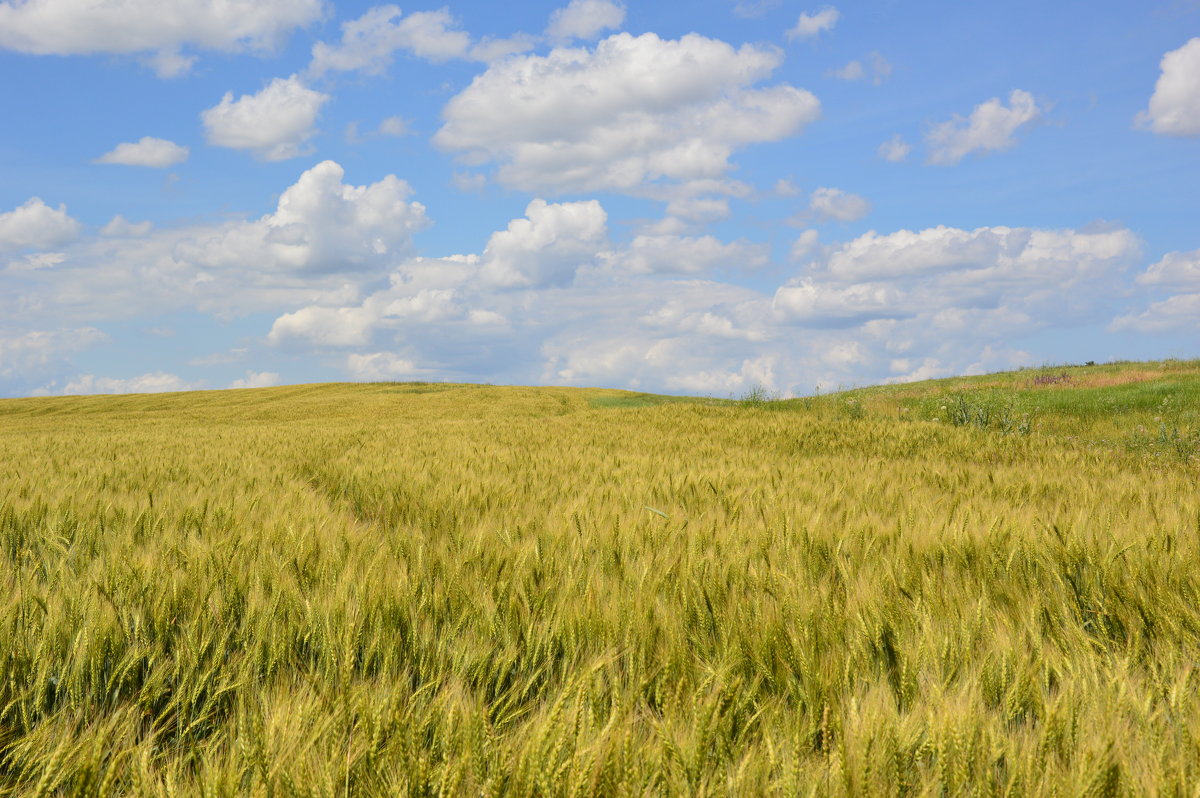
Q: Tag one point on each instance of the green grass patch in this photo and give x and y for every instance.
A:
(627, 399)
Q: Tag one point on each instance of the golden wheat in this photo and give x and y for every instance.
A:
(467, 590)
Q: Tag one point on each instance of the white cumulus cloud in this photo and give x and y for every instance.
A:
(22, 353)
(379, 366)
(805, 245)
(547, 246)
(673, 254)
(990, 128)
(274, 124)
(1020, 275)
(324, 241)
(324, 327)
(877, 69)
(630, 112)
(36, 260)
(1175, 105)
(1180, 313)
(394, 126)
(758, 372)
(655, 314)
(584, 19)
(493, 48)
(36, 225)
(572, 295)
(1174, 270)
(854, 70)
(90, 384)
(810, 25)
(82, 27)
(320, 225)
(369, 42)
(120, 226)
(895, 149)
(833, 203)
(146, 151)
(256, 379)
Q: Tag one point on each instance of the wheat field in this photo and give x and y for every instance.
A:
(967, 588)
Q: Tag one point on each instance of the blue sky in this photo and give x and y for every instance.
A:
(690, 198)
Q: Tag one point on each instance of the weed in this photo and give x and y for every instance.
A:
(758, 395)
(989, 411)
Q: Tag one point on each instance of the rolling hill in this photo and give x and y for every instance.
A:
(983, 585)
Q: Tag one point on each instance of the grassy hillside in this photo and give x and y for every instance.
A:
(466, 590)
(1142, 408)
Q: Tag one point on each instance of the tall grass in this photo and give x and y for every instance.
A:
(387, 589)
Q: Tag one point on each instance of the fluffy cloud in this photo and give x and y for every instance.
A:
(550, 315)
(1175, 105)
(940, 301)
(146, 151)
(633, 111)
(752, 374)
(1014, 274)
(833, 203)
(810, 25)
(492, 48)
(170, 63)
(81, 27)
(806, 244)
(36, 225)
(655, 334)
(895, 149)
(324, 326)
(256, 379)
(678, 361)
(469, 182)
(825, 304)
(854, 70)
(120, 226)
(680, 317)
(379, 366)
(1175, 271)
(321, 225)
(786, 188)
(652, 314)
(543, 249)
(989, 128)
(369, 43)
(701, 210)
(423, 292)
(1176, 314)
(274, 123)
(323, 242)
(584, 19)
(394, 126)
(547, 246)
(30, 352)
(878, 70)
(33, 261)
(89, 384)
(672, 254)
